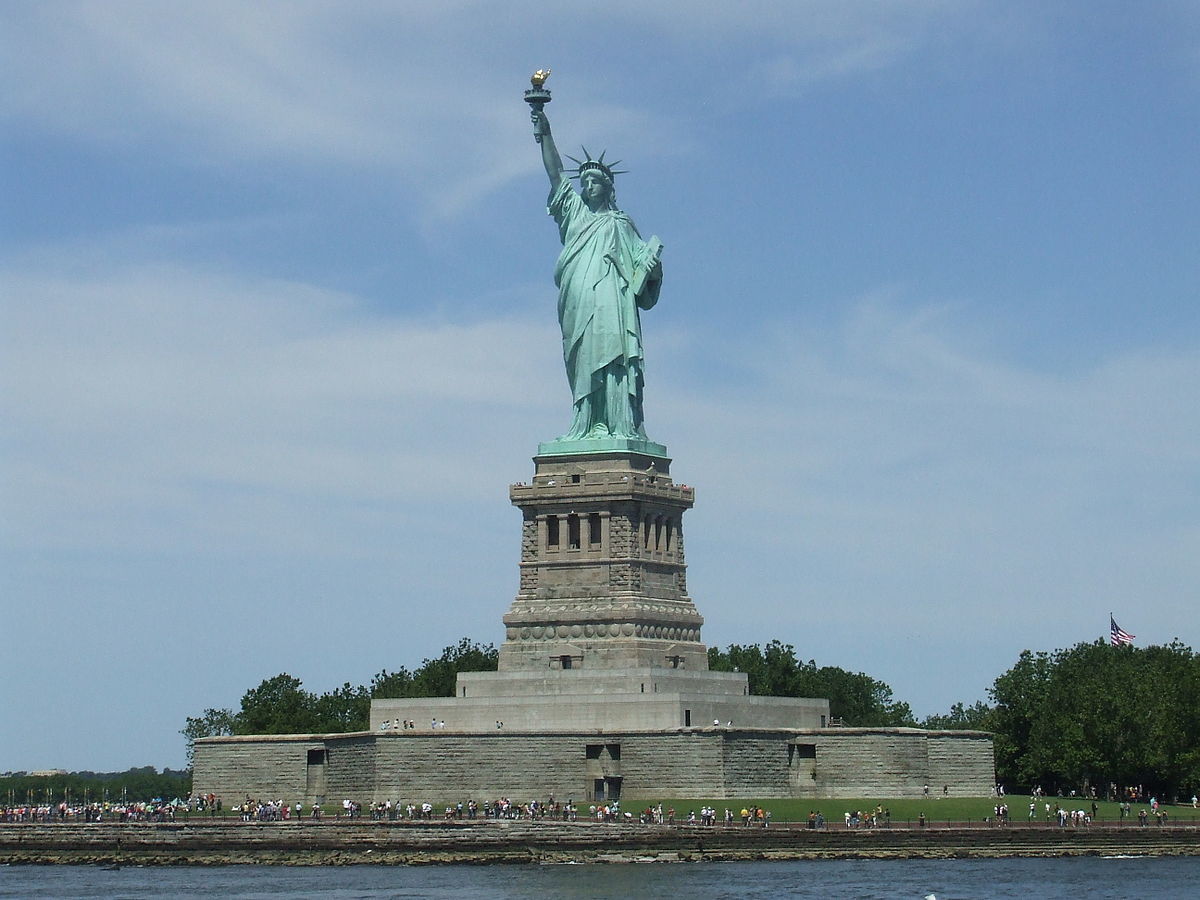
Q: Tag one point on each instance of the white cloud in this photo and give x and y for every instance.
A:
(897, 479)
(149, 388)
(896, 450)
(415, 89)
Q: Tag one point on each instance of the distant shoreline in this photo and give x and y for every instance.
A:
(343, 842)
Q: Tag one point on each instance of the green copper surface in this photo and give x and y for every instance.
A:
(606, 274)
(567, 447)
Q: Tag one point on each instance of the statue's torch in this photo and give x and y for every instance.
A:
(537, 96)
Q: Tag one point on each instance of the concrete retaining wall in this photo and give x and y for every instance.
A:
(330, 843)
(962, 761)
(697, 762)
(256, 767)
(900, 762)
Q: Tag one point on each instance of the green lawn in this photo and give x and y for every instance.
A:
(903, 810)
(907, 809)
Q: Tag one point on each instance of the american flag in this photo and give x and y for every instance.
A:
(1117, 635)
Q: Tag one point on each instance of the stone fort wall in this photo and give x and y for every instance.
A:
(700, 762)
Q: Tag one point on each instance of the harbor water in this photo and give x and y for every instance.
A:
(1096, 878)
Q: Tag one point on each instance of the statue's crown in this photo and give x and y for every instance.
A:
(588, 164)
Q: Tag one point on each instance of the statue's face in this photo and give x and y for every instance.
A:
(595, 189)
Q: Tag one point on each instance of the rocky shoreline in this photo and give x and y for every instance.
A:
(489, 842)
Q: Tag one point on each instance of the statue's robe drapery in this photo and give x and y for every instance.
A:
(603, 256)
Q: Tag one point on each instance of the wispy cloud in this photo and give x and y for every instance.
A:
(896, 443)
(155, 387)
(403, 88)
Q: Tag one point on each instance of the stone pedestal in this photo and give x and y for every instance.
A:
(604, 688)
(603, 575)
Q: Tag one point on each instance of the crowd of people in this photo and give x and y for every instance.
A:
(1072, 814)
(873, 818)
(96, 811)
(252, 810)
(85, 810)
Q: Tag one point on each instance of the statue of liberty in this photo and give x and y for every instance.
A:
(605, 275)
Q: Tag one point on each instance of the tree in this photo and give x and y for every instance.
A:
(211, 723)
(774, 671)
(1096, 714)
(1020, 698)
(143, 783)
(347, 708)
(278, 705)
(392, 684)
(976, 717)
(436, 677)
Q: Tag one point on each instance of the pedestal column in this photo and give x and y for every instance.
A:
(612, 604)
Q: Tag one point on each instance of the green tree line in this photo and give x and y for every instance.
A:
(1097, 714)
(135, 785)
(774, 671)
(1091, 714)
(281, 705)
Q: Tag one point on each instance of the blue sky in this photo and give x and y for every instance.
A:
(277, 330)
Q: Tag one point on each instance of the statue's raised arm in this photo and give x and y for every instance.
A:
(550, 158)
(606, 274)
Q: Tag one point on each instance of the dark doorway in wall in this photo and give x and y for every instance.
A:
(314, 787)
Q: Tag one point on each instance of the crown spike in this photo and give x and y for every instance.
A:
(592, 164)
